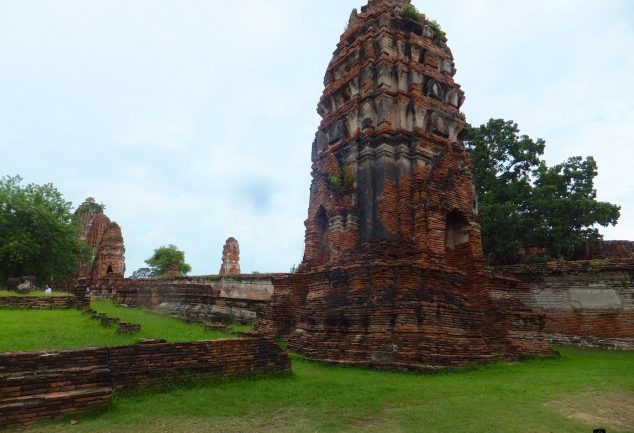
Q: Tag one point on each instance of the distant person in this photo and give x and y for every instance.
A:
(48, 290)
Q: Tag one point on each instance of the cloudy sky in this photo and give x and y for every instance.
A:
(192, 120)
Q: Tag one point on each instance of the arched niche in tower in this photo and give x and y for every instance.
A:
(439, 124)
(322, 235)
(453, 98)
(456, 230)
(446, 67)
(337, 131)
(434, 89)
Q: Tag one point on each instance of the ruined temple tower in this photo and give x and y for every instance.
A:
(393, 274)
(230, 258)
(390, 175)
(105, 240)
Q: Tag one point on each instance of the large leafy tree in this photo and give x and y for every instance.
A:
(167, 258)
(524, 204)
(564, 207)
(38, 233)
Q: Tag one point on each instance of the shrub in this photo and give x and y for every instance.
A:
(334, 181)
(436, 28)
(410, 13)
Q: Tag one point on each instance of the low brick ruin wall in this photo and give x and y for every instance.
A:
(43, 303)
(41, 385)
(589, 303)
(202, 300)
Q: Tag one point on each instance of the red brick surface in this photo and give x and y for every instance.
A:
(42, 303)
(547, 288)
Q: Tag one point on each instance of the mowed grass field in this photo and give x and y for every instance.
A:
(577, 392)
(31, 330)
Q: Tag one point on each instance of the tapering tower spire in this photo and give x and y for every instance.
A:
(390, 174)
(392, 274)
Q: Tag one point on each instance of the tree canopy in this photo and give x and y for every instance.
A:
(526, 205)
(167, 258)
(142, 273)
(38, 234)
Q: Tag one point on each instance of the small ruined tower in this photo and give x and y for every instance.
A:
(393, 273)
(105, 238)
(230, 258)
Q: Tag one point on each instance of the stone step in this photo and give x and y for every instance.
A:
(19, 362)
(29, 409)
(52, 381)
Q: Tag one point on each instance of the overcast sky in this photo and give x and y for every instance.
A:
(192, 120)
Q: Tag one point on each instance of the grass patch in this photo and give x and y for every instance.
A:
(240, 328)
(32, 330)
(157, 326)
(34, 294)
(502, 398)
(613, 410)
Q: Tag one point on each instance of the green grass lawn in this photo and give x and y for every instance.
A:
(35, 294)
(580, 391)
(160, 326)
(30, 330)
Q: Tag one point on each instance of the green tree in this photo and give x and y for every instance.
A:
(38, 233)
(564, 207)
(167, 258)
(142, 273)
(526, 204)
(503, 166)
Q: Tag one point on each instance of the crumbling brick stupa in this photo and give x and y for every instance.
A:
(104, 238)
(230, 258)
(393, 274)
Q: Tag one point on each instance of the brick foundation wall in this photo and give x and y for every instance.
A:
(403, 315)
(42, 385)
(198, 300)
(233, 357)
(51, 302)
(590, 303)
(606, 249)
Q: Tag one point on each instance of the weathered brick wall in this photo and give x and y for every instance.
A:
(233, 357)
(403, 315)
(236, 299)
(50, 302)
(606, 249)
(584, 302)
(42, 385)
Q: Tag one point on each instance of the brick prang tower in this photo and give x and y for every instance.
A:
(104, 238)
(393, 273)
(389, 172)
